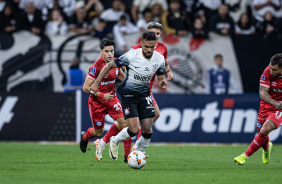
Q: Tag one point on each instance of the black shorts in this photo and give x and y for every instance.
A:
(141, 107)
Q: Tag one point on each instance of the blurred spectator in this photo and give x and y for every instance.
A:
(191, 7)
(56, 24)
(94, 9)
(260, 7)
(147, 17)
(8, 19)
(123, 27)
(207, 9)
(30, 20)
(244, 26)
(219, 80)
(74, 77)
(79, 22)
(100, 30)
(222, 23)
(2, 5)
(41, 5)
(175, 21)
(139, 6)
(199, 29)
(67, 7)
(112, 15)
(157, 12)
(269, 25)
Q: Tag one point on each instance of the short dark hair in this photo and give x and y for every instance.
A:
(154, 25)
(149, 36)
(106, 42)
(218, 56)
(276, 60)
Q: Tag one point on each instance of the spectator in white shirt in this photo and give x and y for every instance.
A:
(147, 17)
(56, 24)
(123, 27)
(140, 5)
(260, 7)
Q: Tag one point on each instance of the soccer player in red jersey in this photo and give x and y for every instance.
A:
(270, 111)
(161, 48)
(104, 101)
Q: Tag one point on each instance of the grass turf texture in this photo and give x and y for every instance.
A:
(172, 164)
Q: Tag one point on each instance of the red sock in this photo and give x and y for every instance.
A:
(89, 134)
(113, 131)
(258, 142)
(127, 147)
(139, 135)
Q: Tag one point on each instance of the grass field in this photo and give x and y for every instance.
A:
(170, 164)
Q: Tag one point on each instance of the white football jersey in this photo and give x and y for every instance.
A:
(139, 72)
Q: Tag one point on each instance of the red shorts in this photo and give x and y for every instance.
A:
(274, 116)
(98, 111)
(153, 99)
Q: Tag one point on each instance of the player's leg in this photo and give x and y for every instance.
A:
(147, 131)
(156, 117)
(98, 120)
(260, 140)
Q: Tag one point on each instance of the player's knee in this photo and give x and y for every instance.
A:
(132, 133)
(267, 127)
(98, 132)
(147, 135)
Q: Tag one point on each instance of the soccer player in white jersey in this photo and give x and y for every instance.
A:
(141, 64)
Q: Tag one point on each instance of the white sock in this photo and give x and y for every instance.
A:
(144, 143)
(121, 136)
(102, 143)
(137, 143)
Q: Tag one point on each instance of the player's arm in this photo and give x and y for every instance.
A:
(161, 77)
(263, 92)
(121, 75)
(103, 73)
(86, 88)
(167, 68)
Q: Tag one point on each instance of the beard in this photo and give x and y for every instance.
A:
(146, 56)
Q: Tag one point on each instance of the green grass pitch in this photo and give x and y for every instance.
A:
(31, 163)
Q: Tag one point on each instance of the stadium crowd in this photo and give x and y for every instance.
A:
(115, 18)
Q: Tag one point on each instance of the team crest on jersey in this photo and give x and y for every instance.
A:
(93, 70)
(126, 111)
(155, 67)
(116, 71)
(262, 78)
(258, 125)
(99, 123)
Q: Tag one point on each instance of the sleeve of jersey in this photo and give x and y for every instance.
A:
(123, 60)
(161, 69)
(165, 53)
(265, 79)
(93, 72)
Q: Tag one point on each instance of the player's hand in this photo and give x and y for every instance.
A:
(163, 84)
(109, 96)
(94, 87)
(169, 75)
(278, 105)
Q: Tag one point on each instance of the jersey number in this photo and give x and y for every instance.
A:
(149, 100)
(277, 112)
(117, 106)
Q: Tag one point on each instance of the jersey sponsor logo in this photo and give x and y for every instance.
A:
(99, 123)
(274, 83)
(6, 113)
(277, 90)
(93, 70)
(126, 111)
(155, 67)
(108, 82)
(262, 78)
(116, 71)
(142, 78)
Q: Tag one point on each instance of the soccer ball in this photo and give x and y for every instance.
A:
(136, 160)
